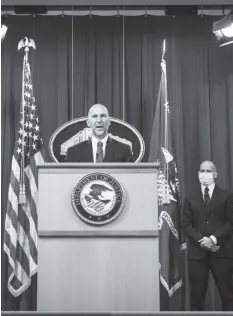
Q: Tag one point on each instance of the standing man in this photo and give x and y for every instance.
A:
(100, 147)
(208, 223)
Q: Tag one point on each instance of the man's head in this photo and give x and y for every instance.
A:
(98, 120)
(207, 173)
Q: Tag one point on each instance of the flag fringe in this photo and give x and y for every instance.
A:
(172, 290)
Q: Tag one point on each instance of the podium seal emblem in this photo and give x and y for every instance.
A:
(98, 198)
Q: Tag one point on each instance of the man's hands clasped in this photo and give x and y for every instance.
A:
(208, 244)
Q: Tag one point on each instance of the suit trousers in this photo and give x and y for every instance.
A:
(222, 270)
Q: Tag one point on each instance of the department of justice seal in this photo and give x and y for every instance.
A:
(98, 198)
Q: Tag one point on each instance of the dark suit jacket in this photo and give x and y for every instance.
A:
(115, 152)
(199, 220)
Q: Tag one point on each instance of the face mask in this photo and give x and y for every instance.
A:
(206, 178)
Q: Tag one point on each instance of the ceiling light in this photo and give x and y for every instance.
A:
(223, 30)
(3, 31)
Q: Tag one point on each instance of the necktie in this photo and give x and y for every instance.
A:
(206, 195)
(99, 152)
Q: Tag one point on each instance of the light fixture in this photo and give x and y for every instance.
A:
(223, 30)
(3, 31)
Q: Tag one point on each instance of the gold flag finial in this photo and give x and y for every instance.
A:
(26, 44)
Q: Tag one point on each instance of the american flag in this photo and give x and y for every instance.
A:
(20, 236)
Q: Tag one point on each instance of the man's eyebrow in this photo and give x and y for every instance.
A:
(210, 170)
(102, 114)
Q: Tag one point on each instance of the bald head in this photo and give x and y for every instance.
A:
(99, 108)
(207, 173)
(207, 164)
(98, 120)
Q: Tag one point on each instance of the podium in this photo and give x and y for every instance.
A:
(98, 268)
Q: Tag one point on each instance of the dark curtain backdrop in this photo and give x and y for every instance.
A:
(79, 61)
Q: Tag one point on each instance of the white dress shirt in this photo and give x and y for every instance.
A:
(94, 142)
(211, 190)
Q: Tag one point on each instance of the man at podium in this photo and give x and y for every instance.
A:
(100, 147)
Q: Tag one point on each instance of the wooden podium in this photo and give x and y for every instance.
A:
(109, 268)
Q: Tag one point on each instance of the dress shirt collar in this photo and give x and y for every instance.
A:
(211, 189)
(94, 141)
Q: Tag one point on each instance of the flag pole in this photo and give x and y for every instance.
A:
(26, 44)
(164, 73)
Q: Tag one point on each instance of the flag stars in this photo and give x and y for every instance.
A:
(167, 108)
(24, 134)
(19, 141)
(35, 137)
(18, 151)
(28, 139)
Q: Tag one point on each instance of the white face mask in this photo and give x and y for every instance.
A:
(206, 179)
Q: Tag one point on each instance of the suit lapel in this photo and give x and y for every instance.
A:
(208, 208)
(109, 151)
(203, 207)
(89, 152)
(214, 198)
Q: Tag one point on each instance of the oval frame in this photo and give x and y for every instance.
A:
(83, 119)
